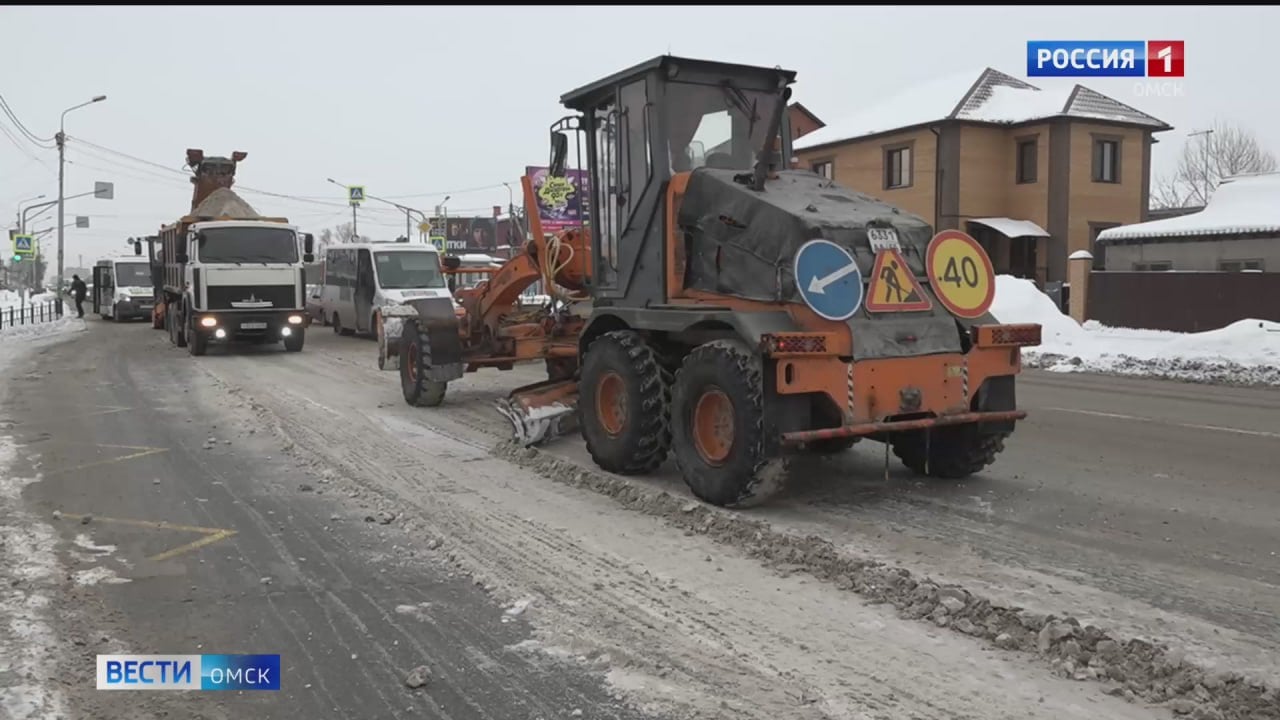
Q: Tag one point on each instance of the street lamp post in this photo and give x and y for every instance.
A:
(62, 154)
(23, 202)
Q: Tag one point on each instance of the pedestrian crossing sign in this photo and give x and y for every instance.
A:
(355, 193)
(894, 287)
(23, 245)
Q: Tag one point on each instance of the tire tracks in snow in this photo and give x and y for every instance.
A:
(725, 636)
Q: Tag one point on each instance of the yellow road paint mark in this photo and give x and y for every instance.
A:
(206, 540)
(143, 451)
(211, 535)
(110, 410)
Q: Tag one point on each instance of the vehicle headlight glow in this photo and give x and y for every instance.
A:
(295, 319)
(208, 321)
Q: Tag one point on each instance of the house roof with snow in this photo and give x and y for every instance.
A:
(1241, 205)
(978, 96)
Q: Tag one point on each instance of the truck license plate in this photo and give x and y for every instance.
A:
(883, 239)
(254, 326)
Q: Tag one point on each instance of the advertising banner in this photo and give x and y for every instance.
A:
(562, 202)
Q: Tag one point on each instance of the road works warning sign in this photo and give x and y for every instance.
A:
(894, 287)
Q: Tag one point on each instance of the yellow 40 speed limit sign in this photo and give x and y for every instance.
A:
(961, 274)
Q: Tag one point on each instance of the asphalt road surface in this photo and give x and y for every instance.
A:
(360, 538)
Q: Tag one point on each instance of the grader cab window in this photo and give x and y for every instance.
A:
(717, 126)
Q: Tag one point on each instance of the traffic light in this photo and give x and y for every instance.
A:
(17, 258)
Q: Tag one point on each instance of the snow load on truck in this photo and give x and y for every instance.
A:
(224, 202)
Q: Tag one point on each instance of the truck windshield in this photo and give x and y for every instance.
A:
(406, 270)
(133, 275)
(248, 244)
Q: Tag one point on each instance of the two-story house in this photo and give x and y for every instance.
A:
(1034, 175)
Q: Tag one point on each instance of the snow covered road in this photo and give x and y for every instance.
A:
(1141, 506)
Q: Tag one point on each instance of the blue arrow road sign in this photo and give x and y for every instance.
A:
(22, 244)
(828, 279)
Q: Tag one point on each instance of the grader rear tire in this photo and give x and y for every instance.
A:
(949, 453)
(717, 427)
(624, 400)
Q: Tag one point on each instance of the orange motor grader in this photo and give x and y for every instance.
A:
(433, 341)
(740, 313)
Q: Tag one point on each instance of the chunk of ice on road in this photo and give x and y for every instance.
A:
(517, 609)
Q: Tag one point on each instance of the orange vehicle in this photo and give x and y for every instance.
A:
(738, 313)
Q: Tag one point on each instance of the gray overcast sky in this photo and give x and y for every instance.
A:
(418, 102)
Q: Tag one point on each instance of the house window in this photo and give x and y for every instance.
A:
(1239, 265)
(1157, 266)
(825, 169)
(1106, 160)
(897, 167)
(1027, 152)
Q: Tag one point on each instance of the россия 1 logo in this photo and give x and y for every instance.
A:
(1105, 58)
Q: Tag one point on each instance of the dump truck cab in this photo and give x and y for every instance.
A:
(742, 312)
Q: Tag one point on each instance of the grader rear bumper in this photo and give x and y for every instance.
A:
(899, 394)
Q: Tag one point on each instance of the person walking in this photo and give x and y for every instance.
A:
(79, 290)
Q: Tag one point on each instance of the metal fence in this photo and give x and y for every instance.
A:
(1182, 301)
(30, 313)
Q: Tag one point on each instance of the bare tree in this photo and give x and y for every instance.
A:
(339, 235)
(1211, 155)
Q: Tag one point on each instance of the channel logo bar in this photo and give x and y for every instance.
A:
(188, 672)
(1106, 58)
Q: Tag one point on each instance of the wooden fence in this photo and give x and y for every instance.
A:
(1182, 301)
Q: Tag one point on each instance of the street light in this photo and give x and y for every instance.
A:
(24, 202)
(62, 154)
(408, 219)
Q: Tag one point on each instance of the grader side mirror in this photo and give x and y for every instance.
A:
(559, 151)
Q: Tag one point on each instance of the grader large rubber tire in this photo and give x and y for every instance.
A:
(415, 355)
(950, 453)
(717, 426)
(624, 396)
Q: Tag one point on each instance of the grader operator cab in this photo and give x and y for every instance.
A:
(738, 313)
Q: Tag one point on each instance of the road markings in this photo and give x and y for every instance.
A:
(142, 451)
(211, 535)
(110, 410)
(1190, 426)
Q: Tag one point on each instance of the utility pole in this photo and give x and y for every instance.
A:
(62, 155)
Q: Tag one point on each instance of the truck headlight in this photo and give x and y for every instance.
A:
(295, 319)
(208, 321)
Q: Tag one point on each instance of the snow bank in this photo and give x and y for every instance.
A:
(1244, 352)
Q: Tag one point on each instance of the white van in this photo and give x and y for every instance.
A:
(359, 278)
(122, 288)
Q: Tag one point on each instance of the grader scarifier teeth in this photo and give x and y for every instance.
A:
(540, 425)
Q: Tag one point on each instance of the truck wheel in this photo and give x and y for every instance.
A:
(624, 402)
(717, 426)
(294, 342)
(197, 343)
(415, 356)
(951, 453)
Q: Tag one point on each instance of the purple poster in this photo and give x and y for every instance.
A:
(562, 202)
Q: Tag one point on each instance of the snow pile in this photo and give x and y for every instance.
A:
(224, 202)
(1246, 352)
(1242, 204)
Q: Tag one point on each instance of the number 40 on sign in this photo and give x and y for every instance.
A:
(961, 274)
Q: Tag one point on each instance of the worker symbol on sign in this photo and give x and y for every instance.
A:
(894, 287)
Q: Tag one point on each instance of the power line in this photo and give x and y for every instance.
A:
(36, 139)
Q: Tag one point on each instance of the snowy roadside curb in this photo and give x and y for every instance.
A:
(1246, 352)
(1135, 669)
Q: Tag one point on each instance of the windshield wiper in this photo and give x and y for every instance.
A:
(738, 99)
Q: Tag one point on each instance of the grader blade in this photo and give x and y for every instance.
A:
(541, 412)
